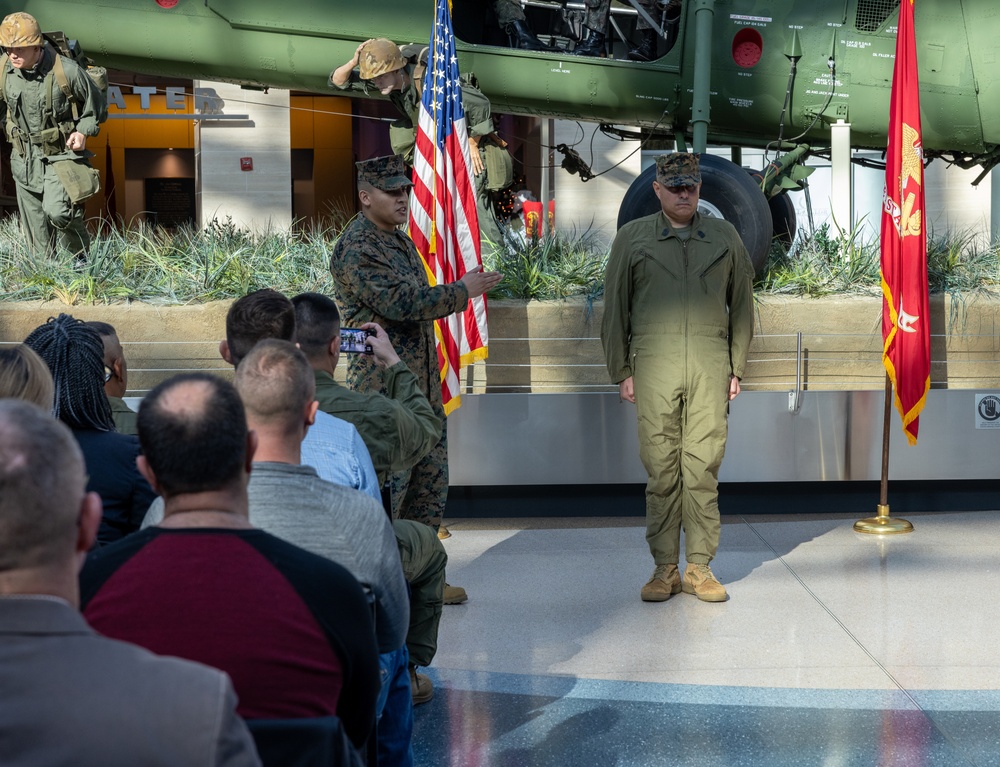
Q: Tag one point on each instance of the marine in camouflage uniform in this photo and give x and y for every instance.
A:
(677, 325)
(403, 132)
(38, 120)
(380, 277)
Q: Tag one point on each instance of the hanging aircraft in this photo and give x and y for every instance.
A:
(742, 73)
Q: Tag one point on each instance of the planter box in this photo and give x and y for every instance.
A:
(554, 346)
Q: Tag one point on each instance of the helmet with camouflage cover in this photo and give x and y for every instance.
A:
(20, 30)
(378, 57)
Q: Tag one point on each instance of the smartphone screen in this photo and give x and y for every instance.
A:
(354, 341)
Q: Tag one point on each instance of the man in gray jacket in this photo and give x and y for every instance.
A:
(290, 500)
(71, 696)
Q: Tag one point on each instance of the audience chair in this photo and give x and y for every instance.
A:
(318, 742)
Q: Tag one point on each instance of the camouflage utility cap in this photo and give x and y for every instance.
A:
(378, 57)
(386, 173)
(20, 30)
(678, 169)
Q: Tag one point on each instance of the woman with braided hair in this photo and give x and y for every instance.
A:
(74, 354)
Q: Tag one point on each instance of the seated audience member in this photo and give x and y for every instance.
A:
(71, 696)
(292, 629)
(74, 354)
(23, 375)
(289, 500)
(399, 429)
(423, 558)
(332, 446)
(115, 377)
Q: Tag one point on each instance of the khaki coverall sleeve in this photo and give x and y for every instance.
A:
(740, 310)
(616, 325)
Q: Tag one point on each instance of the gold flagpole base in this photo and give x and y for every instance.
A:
(882, 524)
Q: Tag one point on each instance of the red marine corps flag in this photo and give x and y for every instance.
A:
(905, 312)
(443, 221)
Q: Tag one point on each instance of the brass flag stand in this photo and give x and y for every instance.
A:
(882, 523)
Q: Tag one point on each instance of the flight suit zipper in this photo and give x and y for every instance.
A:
(684, 250)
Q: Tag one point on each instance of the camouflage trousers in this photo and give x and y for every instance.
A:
(596, 17)
(421, 493)
(653, 9)
(508, 11)
(489, 227)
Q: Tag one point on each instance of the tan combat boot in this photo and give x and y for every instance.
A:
(421, 688)
(698, 580)
(454, 595)
(666, 582)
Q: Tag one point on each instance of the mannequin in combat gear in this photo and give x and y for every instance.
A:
(397, 73)
(49, 107)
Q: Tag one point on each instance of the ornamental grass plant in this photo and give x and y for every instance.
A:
(169, 266)
(222, 261)
(825, 264)
(548, 268)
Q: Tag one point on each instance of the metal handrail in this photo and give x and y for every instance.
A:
(795, 362)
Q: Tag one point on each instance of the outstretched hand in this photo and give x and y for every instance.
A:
(478, 282)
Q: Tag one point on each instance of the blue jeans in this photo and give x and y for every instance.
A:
(394, 710)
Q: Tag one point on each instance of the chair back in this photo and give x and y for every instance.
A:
(316, 742)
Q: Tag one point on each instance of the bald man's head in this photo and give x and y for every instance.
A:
(193, 432)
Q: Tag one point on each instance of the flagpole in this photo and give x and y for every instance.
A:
(882, 523)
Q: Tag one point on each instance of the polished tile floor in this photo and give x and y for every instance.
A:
(834, 649)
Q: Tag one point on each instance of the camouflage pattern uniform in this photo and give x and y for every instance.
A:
(653, 10)
(678, 318)
(596, 17)
(45, 209)
(380, 278)
(508, 11)
(403, 133)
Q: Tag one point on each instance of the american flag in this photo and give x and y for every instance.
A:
(906, 316)
(443, 221)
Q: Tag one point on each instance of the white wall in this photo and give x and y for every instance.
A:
(593, 204)
(258, 199)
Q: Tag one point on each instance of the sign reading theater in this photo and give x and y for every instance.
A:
(207, 104)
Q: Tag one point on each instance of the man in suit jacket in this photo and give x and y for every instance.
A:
(71, 696)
